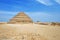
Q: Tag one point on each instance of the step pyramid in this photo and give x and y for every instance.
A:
(21, 18)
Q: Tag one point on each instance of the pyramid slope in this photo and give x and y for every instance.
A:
(21, 18)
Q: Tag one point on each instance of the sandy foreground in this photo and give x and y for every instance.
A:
(29, 32)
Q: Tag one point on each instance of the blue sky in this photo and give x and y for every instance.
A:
(38, 10)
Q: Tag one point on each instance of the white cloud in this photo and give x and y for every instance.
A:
(7, 12)
(48, 2)
(58, 1)
(6, 15)
(43, 16)
(39, 16)
(45, 2)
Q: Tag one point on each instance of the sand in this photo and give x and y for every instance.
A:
(29, 32)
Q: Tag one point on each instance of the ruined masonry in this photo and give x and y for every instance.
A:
(20, 18)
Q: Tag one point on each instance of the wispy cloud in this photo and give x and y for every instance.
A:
(39, 16)
(45, 2)
(6, 15)
(43, 16)
(7, 12)
(48, 2)
(58, 1)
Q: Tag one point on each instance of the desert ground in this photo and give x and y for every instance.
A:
(29, 32)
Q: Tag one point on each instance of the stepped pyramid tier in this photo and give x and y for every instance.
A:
(21, 18)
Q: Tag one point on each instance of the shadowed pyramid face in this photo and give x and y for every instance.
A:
(20, 18)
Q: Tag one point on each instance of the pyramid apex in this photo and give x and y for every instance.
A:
(21, 12)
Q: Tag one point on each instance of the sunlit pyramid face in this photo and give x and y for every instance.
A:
(21, 18)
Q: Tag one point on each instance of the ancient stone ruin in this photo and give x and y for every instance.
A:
(20, 18)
